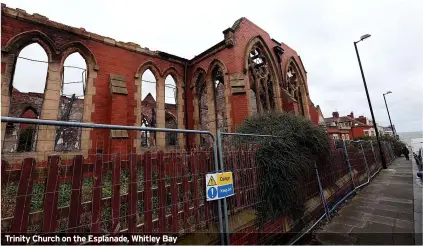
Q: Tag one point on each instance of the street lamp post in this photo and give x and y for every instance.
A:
(382, 156)
(389, 116)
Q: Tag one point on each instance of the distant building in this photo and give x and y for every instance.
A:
(348, 127)
(387, 131)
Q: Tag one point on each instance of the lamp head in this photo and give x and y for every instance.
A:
(364, 37)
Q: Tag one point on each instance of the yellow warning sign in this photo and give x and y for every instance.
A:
(224, 178)
(211, 182)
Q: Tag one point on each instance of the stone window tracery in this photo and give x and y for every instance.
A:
(261, 79)
(293, 86)
(291, 80)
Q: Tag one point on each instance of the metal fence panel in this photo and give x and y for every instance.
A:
(107, 185)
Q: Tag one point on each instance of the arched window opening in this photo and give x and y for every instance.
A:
(171, 137)
(26, 97)
(171, 107)
(203, 107)
(261, 80)
(219, 94)
(27, 136)
(146, 136)
(148, 103)
(71, 105)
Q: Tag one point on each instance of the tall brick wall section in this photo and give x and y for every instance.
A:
(314, 117)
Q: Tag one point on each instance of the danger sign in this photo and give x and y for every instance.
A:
(211, 182)
(219, 185)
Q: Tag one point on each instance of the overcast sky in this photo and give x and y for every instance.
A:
(322, 32)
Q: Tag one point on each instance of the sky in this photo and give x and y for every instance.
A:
(322, 33)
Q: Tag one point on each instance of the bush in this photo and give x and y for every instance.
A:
(285, 162)
(397, 145)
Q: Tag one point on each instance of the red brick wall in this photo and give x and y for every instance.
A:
(314, 117)
(358, 131)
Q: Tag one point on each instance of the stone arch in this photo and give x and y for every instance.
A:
(295, 85)
(20, 41)
(153, 68)
(31, 108)
(198, 72)
(218, 72)
(174, 73)
(10, 53)
(83, 50)
(260, 66)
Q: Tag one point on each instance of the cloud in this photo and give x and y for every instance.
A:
(322, 32)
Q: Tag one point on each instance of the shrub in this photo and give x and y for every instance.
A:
(285, 161)
(397, 144)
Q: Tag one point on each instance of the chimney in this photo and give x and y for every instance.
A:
(351, 115)
(362, 119)
(335, 114)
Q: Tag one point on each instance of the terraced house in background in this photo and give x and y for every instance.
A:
(348, 127)
(245, 73)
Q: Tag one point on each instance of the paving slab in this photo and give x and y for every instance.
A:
(381, 213)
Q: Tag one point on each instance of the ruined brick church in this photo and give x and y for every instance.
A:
(247, 72)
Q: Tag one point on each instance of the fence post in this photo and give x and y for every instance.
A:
(365, 161)
(322, 194)
(225, 203)
(373, 150)
(219, 203)
(347, 159)
(393, 151)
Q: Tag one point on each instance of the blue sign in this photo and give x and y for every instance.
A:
(212, 192)
(219, 185)
(225, 190)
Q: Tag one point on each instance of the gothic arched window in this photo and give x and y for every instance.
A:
(261, 79)
(219, 99)
(203, 107)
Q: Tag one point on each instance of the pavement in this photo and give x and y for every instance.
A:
(388, 211)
